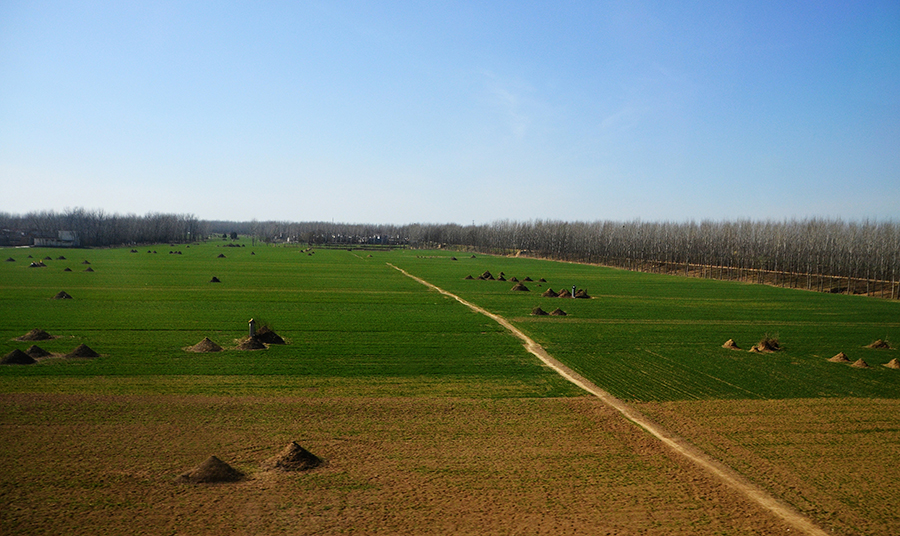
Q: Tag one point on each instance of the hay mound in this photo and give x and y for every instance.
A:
(251, 343)
(564, 293)
(293, 458)
(210, 471)
(519, 287)
(469, 277)
(549, 293)
(36, 351)
(221, 256)
(501, 278)
(766, 346)
(538, 311)
(35, 335)
(451, 258)
(528, 279)
(558, 312)
(514, 279)
(205, 346)
(542, 280)
(62, 295)
(67, 270)
(840, 358)
(82, 350)
(893, 363)
(859, 363)
(582, 294)
(214, 280)
(731, 345)
(486, 276)
(89, 269)
(60, 258)
(10, 259)
(880, 344)
(17, 357)
(85, 262)
(267, 335)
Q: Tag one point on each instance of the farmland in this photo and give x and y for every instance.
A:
(427, 412)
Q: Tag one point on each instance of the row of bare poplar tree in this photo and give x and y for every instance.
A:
(96, 228)
(829, 255)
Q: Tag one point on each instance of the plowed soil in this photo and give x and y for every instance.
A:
(833, 459)
(89, 464)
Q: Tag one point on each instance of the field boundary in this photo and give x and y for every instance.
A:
(715, 467)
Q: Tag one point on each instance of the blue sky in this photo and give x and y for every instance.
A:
(403, 112)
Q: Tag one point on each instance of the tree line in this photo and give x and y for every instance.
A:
(829, 255)
(96, 228)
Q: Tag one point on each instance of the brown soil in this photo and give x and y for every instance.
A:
(266, 335)
(293, 458)
(840, 358)
(400, 466)
(36, 351)
(211, 471)
(62, 295)
(17, 357)
(35, 335)
(82, 350)
(251, 343)
(731, 345)
(204, 346)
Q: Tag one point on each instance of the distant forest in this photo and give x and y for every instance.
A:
(827, 255)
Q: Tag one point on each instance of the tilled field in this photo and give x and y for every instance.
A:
(90, 464)
(833, 459)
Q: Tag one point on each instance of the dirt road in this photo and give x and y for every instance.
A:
(679, 445)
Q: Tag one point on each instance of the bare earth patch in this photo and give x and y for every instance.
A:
(835, 460)
(88, 464)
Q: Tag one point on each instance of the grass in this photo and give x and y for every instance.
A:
(655, 337)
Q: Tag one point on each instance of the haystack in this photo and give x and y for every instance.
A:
(35, 335)
(204, 346)
(549, 293)
(85, 262)
(469, 277)
(528, 279)
(17, 357)
(537, 311)
(251, 343)
(82, 350)
(514, 279)
(267, 335)
(221, 256)
(542, 280)
(731, 345)
(501, 278)
(893, 363)
(36, 351)
(582, 294)
(558, 312)
(214, 280)
(67, 269)
(859, 363)
(451, 258)
(10, 259)
(89, 269)
(62, 295)
(293, 458)
(839, 358)
(880, 344)
(212, 470)
(486, 276)
(519, 287)
(564, 293)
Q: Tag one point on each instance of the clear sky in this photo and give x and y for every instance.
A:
(438, 112)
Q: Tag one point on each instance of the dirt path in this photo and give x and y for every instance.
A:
(716, 468)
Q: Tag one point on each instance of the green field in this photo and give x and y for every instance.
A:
(348, 314)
